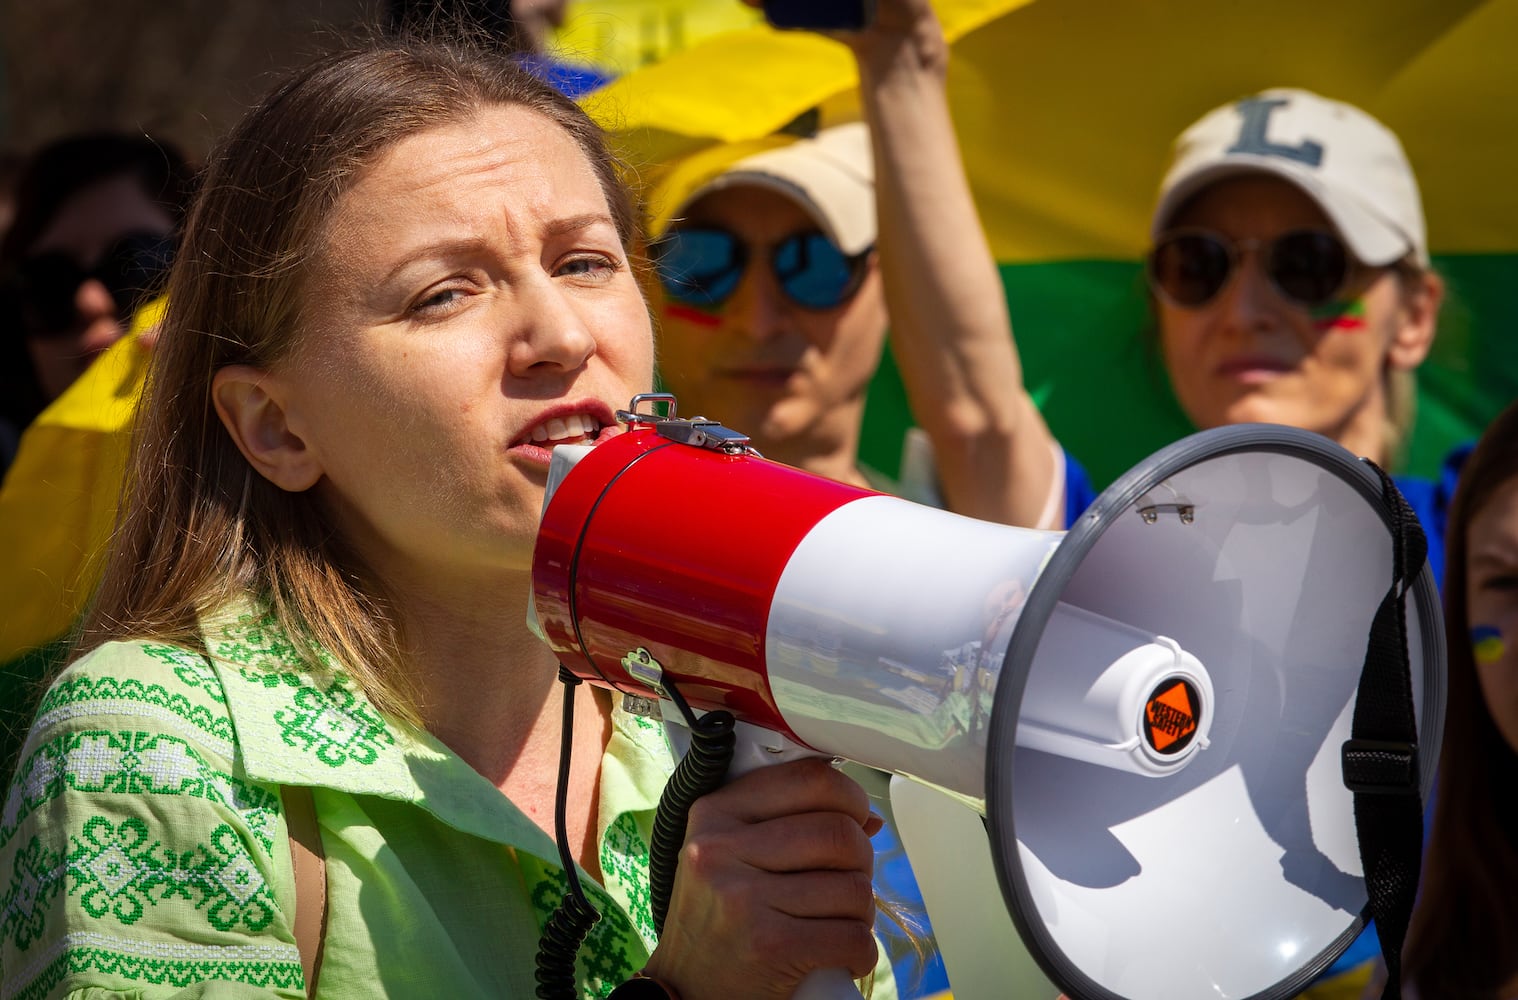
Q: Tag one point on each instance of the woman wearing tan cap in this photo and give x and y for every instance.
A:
(783, 273)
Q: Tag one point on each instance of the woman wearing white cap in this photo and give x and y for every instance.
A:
(1291, 276)
(1292, 285)
(783, 271)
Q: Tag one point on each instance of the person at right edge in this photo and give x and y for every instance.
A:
(1461, 942)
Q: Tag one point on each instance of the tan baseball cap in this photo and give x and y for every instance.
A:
(1350, 164)
(831, 175)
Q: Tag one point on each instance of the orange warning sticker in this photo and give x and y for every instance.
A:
(1170, 716)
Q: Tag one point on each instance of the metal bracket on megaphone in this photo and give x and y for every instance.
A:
(698, 432)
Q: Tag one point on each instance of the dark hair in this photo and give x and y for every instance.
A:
(47, 181)
(1461, 942)
(200, 527)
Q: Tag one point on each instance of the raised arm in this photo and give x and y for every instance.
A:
(950, 328)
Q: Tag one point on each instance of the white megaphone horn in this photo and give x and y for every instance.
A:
(1148, 711)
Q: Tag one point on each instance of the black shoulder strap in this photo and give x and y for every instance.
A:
(1380, 760)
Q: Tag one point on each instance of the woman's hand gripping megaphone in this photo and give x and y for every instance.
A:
(773, 894)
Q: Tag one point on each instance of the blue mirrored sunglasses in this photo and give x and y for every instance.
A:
(703, 267)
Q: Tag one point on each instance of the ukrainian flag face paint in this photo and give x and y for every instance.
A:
(1487, 644)
(1491, 577)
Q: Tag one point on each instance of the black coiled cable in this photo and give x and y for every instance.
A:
(572, 921)
(700, 771)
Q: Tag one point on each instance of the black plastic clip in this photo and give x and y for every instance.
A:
(1380, 767)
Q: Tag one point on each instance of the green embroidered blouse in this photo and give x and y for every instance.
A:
(144, 854)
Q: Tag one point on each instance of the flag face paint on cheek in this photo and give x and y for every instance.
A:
(691, 314)
(1487, 644)
(1340, 317)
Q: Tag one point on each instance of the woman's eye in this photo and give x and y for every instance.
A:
(594, 265)
(1499, 581)
(439, 301)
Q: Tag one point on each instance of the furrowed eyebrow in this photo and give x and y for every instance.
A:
(460, 246)
(576, 223)
(1493, 558)
(465, 245)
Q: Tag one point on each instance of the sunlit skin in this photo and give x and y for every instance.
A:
(1252, 355)
(87, 225)
(474, 288)
(1492, 595)
(794, 379)
(470, 306)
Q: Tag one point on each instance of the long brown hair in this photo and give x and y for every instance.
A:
(1463, 942)
(199, 527)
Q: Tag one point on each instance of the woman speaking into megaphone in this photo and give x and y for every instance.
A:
(408, 274)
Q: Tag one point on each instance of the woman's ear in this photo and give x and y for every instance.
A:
(1422, 295)
(249, 402)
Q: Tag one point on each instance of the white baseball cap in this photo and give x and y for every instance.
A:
(1351, 165)
(831, 175)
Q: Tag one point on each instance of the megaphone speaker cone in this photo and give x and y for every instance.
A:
(1239, 875)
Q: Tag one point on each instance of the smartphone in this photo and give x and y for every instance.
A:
(820, 15)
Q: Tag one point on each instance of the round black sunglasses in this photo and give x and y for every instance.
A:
(1190, 267)
(39, 293)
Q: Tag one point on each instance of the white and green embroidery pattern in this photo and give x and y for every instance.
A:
(114, 768)
(337, 725)
(624, 863)
(173, 965)
(133, 763)
(133, 815)
(122, 870)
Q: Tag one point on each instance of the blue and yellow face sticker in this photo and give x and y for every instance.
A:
(1487, 644)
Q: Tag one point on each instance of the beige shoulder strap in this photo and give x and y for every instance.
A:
(310, 867)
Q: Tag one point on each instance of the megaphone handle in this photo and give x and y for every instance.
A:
(756, 747)
(827, 984)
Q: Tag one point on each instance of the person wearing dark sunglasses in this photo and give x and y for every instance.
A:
(785, 261)
(782, 271)
(1290, 271)
(92, 237)
(1291, 284)
(773, 316)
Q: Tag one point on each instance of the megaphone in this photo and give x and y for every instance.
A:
(1147, 710)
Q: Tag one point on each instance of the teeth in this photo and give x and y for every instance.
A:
(565, 428)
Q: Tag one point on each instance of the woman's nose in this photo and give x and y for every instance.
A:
(92, 300)
(554, 335)
(1250, 298)
(757, 308)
